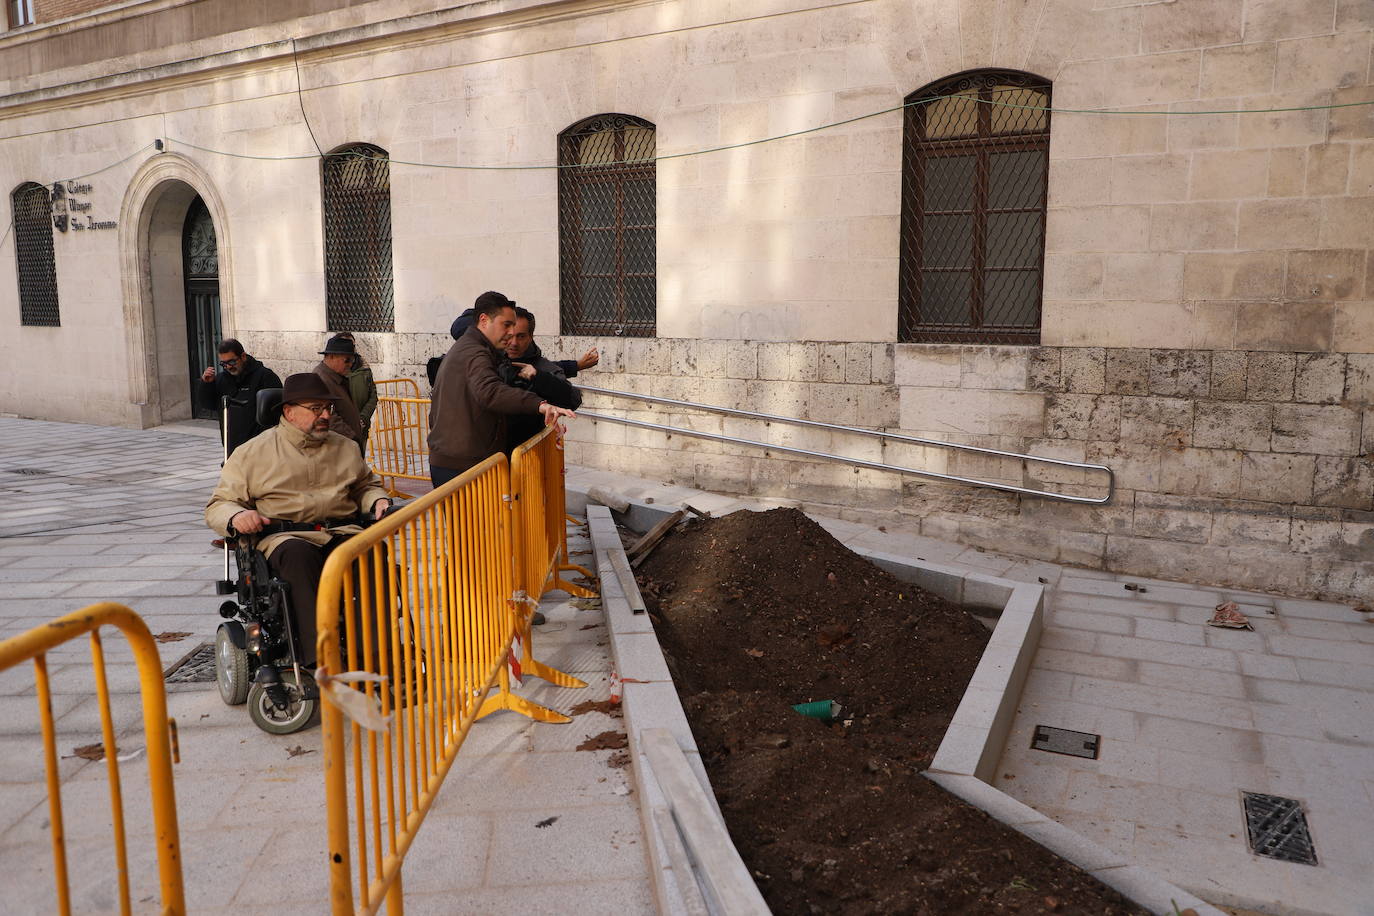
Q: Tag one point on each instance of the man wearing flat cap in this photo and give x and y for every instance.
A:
(345, 420)
(298, 471)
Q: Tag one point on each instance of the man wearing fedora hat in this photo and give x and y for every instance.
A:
(298, 471)
(345, 420)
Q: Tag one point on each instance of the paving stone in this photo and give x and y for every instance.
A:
(1169, 631)
(1148, 650)
(1101, 623)
(1160, 701)
(1128, 607)
(1199, 680)
(1201, 769)
(1205, 739)
(1120, 669)
(1315, 610)
(1277, 719)
(1340, 674)
(1297, 646)
(1055, 638)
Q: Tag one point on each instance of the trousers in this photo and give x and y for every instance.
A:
(300, 563)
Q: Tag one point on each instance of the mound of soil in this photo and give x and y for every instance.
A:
(758, 611)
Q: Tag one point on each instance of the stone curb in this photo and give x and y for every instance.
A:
(967, 758)
(649, 701)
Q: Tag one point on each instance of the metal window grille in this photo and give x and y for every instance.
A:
(357, 239)
(975, 167)
(37, 267)
(606, 219)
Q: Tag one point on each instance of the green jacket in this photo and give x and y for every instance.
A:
(363, 391)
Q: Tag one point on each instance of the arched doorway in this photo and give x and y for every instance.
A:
(175, 265)
(200, 268)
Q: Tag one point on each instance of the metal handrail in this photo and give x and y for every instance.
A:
(857, 430)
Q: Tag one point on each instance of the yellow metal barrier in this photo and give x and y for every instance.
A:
(35, 645)
(540, 542)
(398, 446)
(397, 388)
(434, 588)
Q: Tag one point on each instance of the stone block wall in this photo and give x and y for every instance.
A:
(1242, 468)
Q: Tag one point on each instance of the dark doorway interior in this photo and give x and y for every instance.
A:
(200, 267)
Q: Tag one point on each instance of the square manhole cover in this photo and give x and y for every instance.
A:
(1064, 741)
(195, 667)
(1277, 828)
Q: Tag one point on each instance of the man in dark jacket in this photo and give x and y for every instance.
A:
(529, 369)
(460, 324)
(470, 402)
(345, 419)
(240, 378)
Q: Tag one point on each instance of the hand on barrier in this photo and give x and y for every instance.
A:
(380, 508)
(552, 413)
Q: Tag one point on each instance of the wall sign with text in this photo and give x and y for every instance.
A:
(71, 209)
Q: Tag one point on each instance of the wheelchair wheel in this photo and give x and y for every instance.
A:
(231, 669)
(293, 718)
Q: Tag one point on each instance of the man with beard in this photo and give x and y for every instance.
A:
(240, 378)
(298, 471)
(530, 369)
(470, 402)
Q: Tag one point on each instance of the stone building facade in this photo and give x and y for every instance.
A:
(1205, 309)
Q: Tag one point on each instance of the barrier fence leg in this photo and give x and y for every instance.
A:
(558, 490)
(504, 699)
(564, 564)
(395, 898)
(529, 667)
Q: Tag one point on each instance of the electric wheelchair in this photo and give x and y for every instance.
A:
(256, 649)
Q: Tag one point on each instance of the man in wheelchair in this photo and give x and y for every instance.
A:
(286, 499)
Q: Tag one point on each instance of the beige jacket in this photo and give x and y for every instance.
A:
(287, 476)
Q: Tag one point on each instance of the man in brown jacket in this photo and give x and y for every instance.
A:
(344, 419)
(297, 471)
(469, 404)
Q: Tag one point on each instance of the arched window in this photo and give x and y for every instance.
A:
(975, 161)
(606, 249)
(357, 239)
(33, 254)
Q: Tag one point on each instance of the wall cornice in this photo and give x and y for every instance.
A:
(415, 29)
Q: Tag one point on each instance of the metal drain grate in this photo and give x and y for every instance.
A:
(1278, 828)
(1064, 741)
(196, 667)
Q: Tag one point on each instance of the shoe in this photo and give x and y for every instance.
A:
(537, 619)
(217, 543)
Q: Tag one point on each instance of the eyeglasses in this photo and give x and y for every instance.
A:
(229, 363)
(316, 409)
